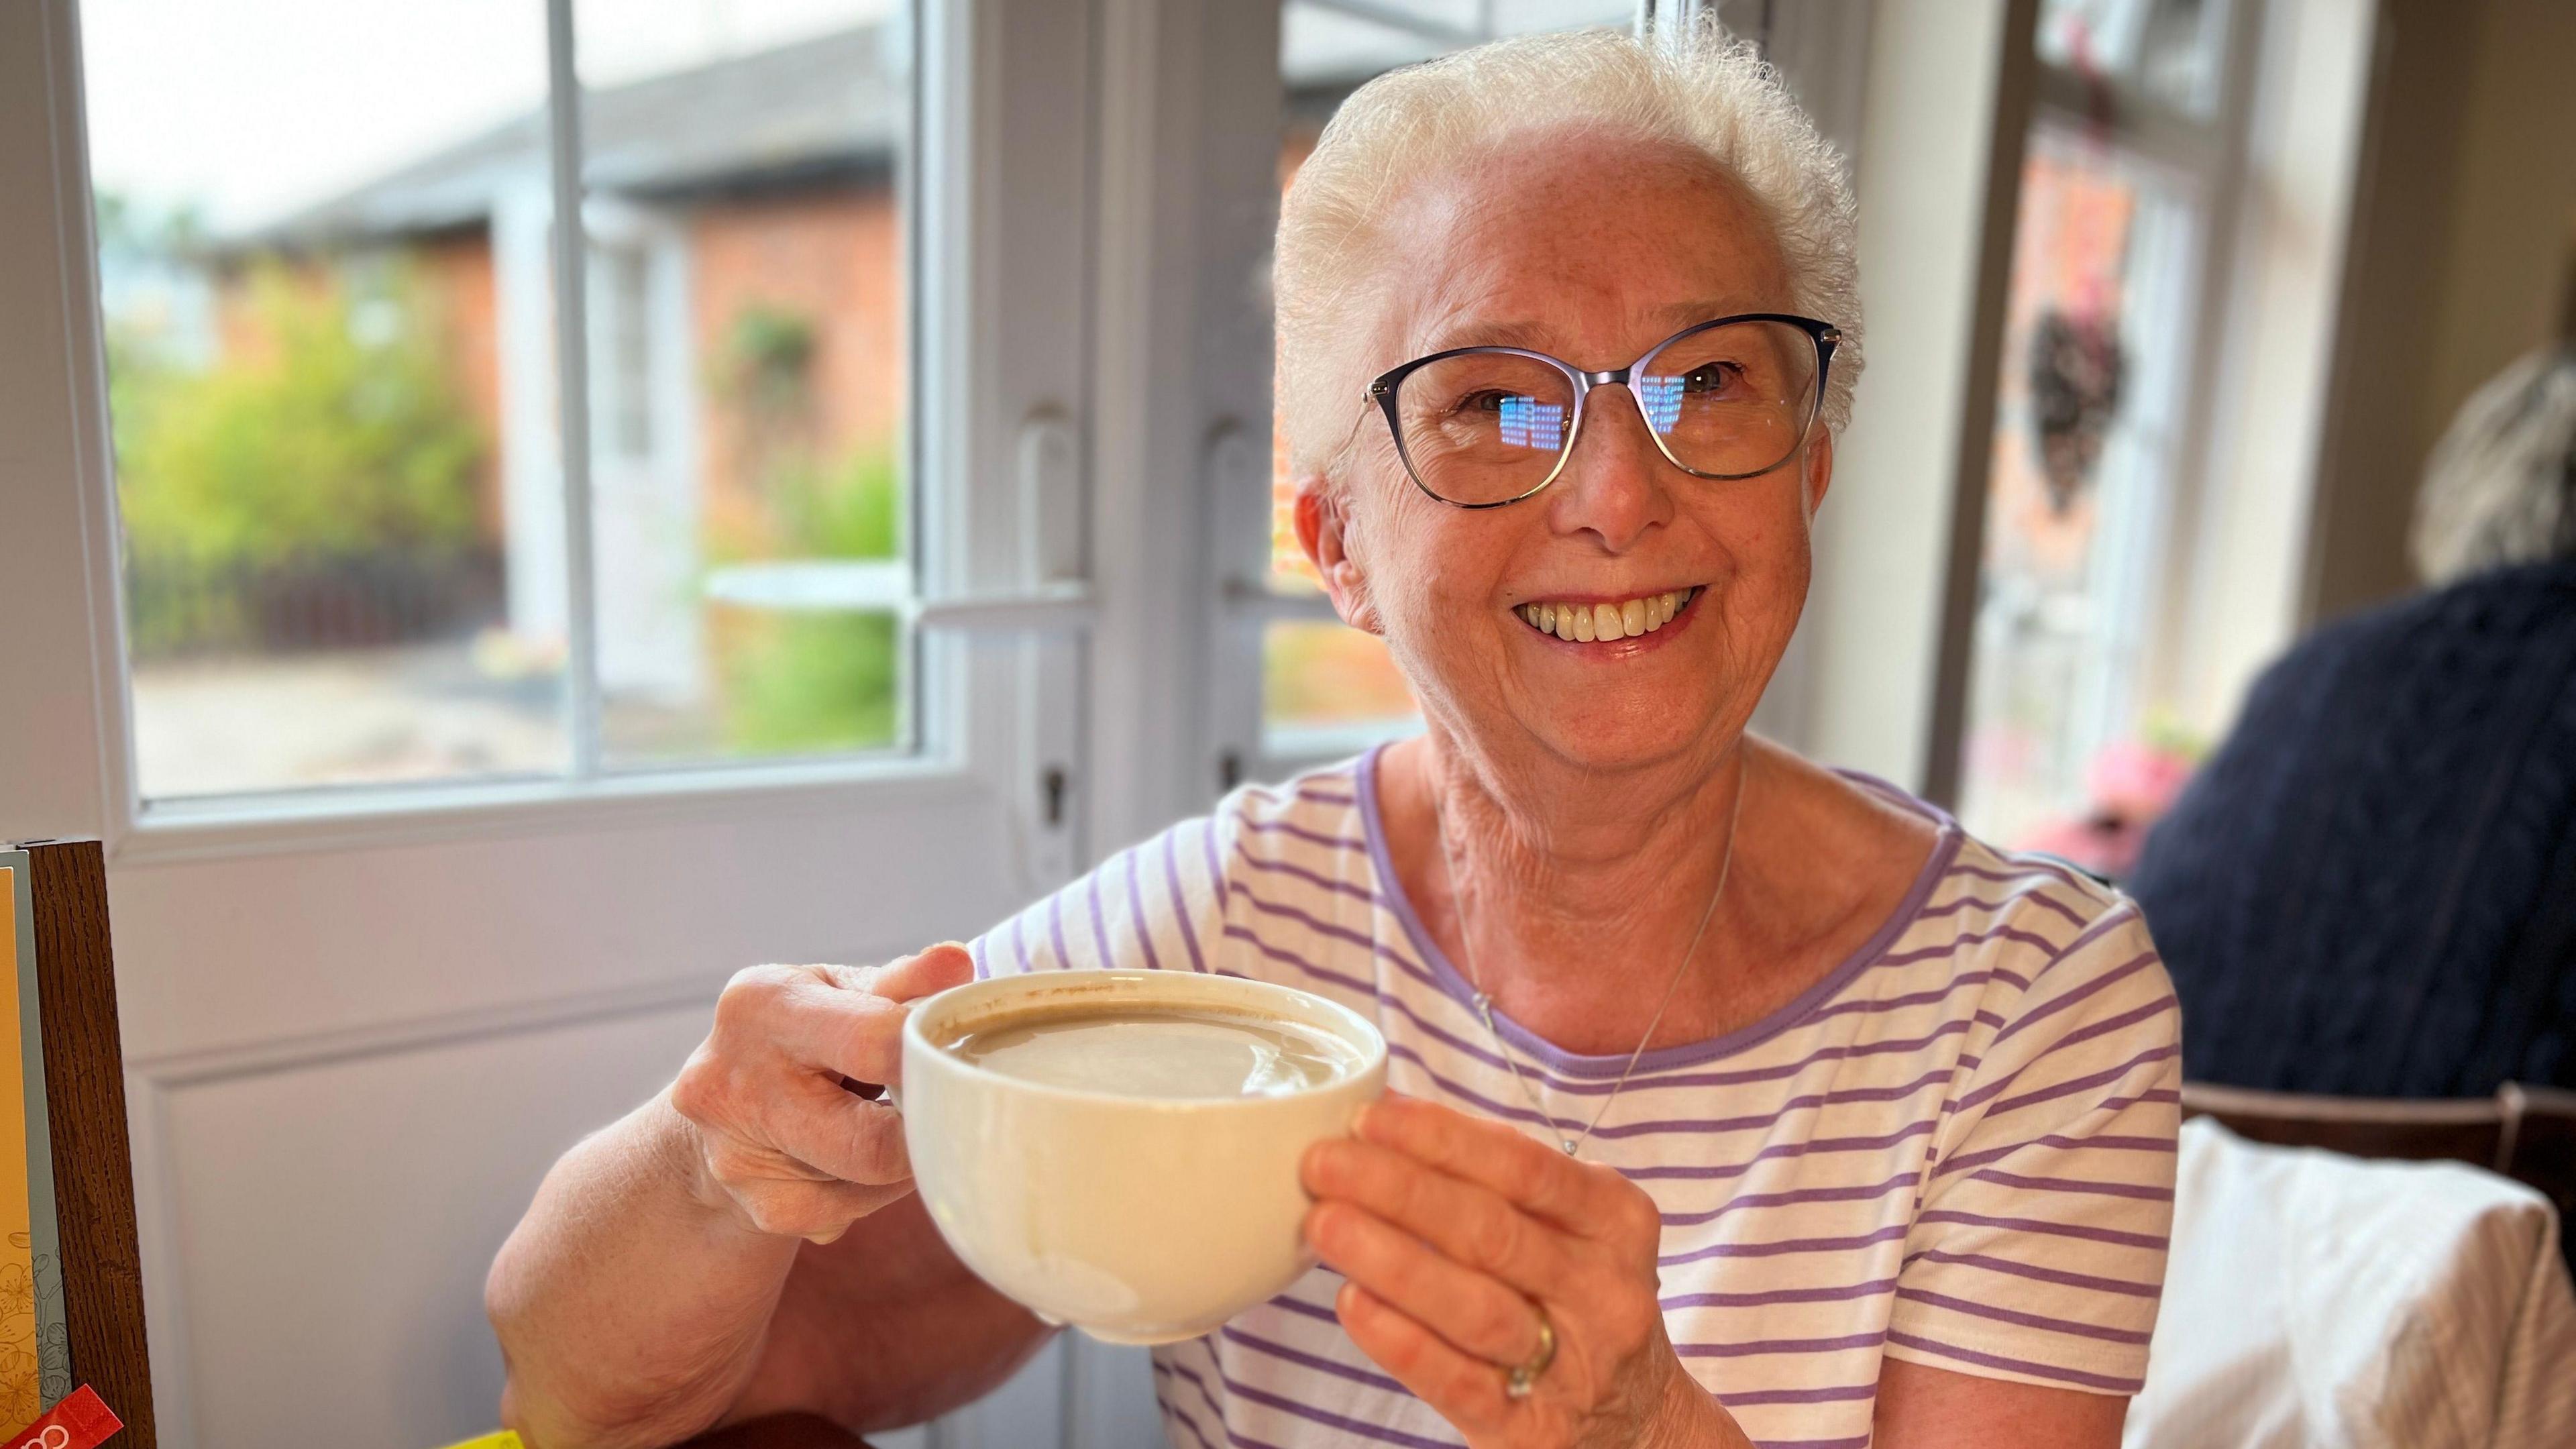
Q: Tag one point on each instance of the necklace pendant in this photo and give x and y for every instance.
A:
(1568, 1144)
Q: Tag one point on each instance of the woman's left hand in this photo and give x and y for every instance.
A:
(1456, 1234)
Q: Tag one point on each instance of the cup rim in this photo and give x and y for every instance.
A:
(1357, 1030)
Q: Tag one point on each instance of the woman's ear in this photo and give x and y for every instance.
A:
(1323, 531)
(1818, 470)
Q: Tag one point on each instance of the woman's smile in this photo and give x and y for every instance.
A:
(1592, 622)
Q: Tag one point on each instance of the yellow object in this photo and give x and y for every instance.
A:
(19, 1384)
(503, 1440)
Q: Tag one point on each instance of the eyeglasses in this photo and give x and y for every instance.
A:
(1479, 427)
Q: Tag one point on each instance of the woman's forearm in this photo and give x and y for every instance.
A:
(631, 1308)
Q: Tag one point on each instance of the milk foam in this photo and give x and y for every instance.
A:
(1178, 1054)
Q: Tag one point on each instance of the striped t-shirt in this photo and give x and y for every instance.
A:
(1957, 1148)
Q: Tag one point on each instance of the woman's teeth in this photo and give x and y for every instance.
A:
(1585, 623)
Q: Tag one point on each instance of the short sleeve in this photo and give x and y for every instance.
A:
(1158, 905)
(2038, 1252)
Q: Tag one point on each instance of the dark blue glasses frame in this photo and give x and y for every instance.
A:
(1825, 335)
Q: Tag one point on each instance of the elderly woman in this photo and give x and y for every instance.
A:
(1743, 1101)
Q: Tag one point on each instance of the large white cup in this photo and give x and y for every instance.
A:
(1136, 1219)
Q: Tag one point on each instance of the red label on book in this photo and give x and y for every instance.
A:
(80, 1421)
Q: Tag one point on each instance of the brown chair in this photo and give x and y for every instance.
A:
(2525, 1133)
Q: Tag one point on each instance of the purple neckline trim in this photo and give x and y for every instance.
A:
(1683, 1054)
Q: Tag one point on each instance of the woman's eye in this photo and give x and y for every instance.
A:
(1487, 401)
(1712, 377)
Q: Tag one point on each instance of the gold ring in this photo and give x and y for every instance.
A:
(1524, 1377)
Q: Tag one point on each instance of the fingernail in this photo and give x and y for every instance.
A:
(1326, 1163)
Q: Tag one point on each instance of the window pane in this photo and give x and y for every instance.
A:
(340, 563)
(2096, 369)
(1328, 689)
(747, 374)
(2169, 49)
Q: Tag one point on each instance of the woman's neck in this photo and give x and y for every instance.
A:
(1571, 897)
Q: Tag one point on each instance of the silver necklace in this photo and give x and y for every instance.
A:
(1484, 1002)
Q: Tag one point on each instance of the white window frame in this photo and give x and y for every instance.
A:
(981, 168)
(2205, 156)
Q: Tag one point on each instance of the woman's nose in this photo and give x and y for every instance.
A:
(1616, 484)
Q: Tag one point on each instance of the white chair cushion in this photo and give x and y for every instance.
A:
(2317, 1299)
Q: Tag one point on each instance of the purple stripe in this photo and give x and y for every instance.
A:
(2077, 1084)
(2110, 1024)
(1055, 930)
(2111, 920)
(983, 971)
(1300, 1305)
(2102, 1382)
(2094, 1186)
(1019, 943)
(1327, 797)
(2006, 1082)
(1283, 827)
(1848, 1393)
(1343, 1422)
(2107, 1142)
(2085, 886)
(1136, 908)
(1934, 996)
(1319, 973)
(2033, 898)
(2058, 1276)
(1741, 1201)
(2083, 1231)
(1172, 1411)
(1574, 1086)
(1761, 1346)
(1315, 878)
(2047, 1009)
(1206, 1396)
(1662, 1126)
(1952, 946)
(1215, 868)
(2021, 1319)
(1317, 1362)
(1817, 1145)
(1783, 1247)
(1180, 907)
(1345, 934)
(1099, 921)
(1870, 1289)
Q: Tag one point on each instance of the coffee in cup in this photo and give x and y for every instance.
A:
(1119, 1150)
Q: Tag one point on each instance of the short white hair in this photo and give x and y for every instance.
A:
(1718, 99)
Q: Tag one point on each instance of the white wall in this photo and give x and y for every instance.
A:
(1883, 539)
(2234, 600)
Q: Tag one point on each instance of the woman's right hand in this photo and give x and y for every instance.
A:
(781, 1145)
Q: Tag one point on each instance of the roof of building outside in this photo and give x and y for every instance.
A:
(830, 107)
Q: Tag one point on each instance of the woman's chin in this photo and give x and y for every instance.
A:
(1618, 740)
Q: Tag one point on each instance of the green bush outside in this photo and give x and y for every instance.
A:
(309, 440)
(797, 683)
(306, 445)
